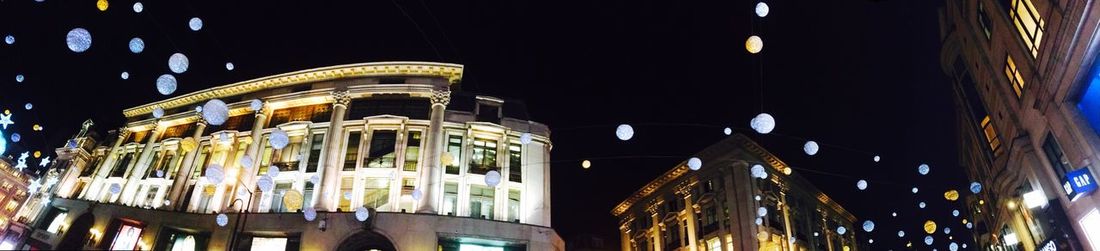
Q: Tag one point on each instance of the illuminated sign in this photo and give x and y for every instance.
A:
(1049, 246)
(1078, 183)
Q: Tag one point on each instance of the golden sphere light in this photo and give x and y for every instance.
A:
(929, 226)
(951, 195)
(102, 5)
(754, 44)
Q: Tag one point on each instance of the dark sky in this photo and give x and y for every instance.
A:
(860, 77)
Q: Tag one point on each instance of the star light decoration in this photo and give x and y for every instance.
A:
(45, 161)
(21, 163)
(5, 120)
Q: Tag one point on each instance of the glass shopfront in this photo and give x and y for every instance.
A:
(171, 239)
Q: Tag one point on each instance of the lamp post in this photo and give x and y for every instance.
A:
(241, 212)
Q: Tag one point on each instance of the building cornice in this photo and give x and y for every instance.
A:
(452, 72)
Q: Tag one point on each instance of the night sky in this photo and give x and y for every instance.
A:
(860, 77)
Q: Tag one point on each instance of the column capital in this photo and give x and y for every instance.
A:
(199, 119)
(341, 98)
(123, 133)
(441, 97)
(263, 109)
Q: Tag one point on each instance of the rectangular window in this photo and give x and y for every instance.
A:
(1055, 156)
(127, 237)
(481, 202)
(454, 149)
(315, 113)
(515, 163)
(346, 185)
(1028, 23)
(450, 198)
(984, 20)
(286, 159)
(307, 195)
(1091, 224)
(264, 243)
(352, 153)
(991, 136)
(407, 187)
(382, 146)
(488, 113)
(200, 162)
(120, 169)
(412, 151)
(315, 147)
(377, 193)
(484, 156)
(1012, 72)
(513, 205)
(277, 205)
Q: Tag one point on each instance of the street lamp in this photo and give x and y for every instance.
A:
(241, 212)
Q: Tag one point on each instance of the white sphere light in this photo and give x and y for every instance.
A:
(861, 184)
(309, 213)
(125, 75)
(15, 137)
(78, 40)
(19, 78)
(214, 174)
(492, 178)
(727, 131)
(946, 230)
(222, 220)
(759, 172)
(166, 84)
(928, 240)
(841, 230)
(868, 226)
(955, 213)
(915, 190)
(273, 171)
(975, 187)
(417, 194)
(160, 173)
(694, 163)
(315, 179)
(115, 188)
(525, 138)
(762, 9)
(28, 106)
(922, 205)
(255, 105)
(969, 225)
(216, 112)
(894, 214)
(923, 169)
(901, 233)
(810, 147)
(137, 45)
(158, 112)
(178, 63)
(624, 132)
(761, 211)
(763, 123)
(138, 7)
(279, 139)
(953, 247)
(876, 158)
(754, 44)
(759, 221)
(195, 24)
(265, 183)
(229, 66)
(9, 39)
(586, 164)
(246, 161)
(362, 214)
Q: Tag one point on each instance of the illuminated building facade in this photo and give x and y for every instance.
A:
(13, 193)
(718, 207)
(363, 135)
(1027, 102)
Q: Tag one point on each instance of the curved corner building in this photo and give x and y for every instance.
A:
(370, 135)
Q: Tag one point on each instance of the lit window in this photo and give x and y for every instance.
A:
(450, 198)
(991, 135)
(481, 201)
(382, 145)
(454, 148)
(513, 205)
(1028, 23)
(412, 151)
(515, 163)
(473, 247)
(1091, 226)
(262, 243)
(58, 220)
(377, 193)
(984, 20)
(127, 237)
(1014, 77)
(484, 156)
(350, 156)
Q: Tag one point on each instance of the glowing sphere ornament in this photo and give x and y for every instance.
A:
(215, 112)
(160, 173)
(901, 234)
(810, 148)
(492, 178)
(923, 169)
(754, 44)
(15, 137)
(37, 154)
(222, 220)
(525, 138)
(759, 221)
(915, 190)
(158, 112)
(763, 123)
(762, 9)
(922, 205)
(727, 131)
(78, 40)
(759, 172)
(315, 179)
(19, 78)
(417, 194)
(761, 211)
(214, 174)
(272, 171)
(969, 225)
(279, 139)
(166, 84)
(9, 39)
(694, 163)
(946, 230)
(229, 66)
(28, 106)
(955, 213)
(195, 24)
(362, 214)
(265, 183)
(178, 63)
(975, 187)
(930, 227)
(586, 164)
(102, 5)
(861, 184)
(138, 7)
(115, 188)
(928, 240)
(125, 75)
(841, 230)
(309, 213)
(876, 158)
(868, 226)
(246, 161)
(624, 132)
(953, 247)
(951, 195)
(137, 45)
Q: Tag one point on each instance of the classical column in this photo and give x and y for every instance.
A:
(333, 140)
(248, 175)
(430, 175)
(142, 164)
(105, 167)
(183, 174)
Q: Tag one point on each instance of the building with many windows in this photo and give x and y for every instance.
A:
(723, 207)
(396, 138)
(1027, 97)
(13, 193)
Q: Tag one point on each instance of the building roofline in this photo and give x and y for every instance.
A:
(452, 72)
